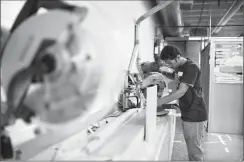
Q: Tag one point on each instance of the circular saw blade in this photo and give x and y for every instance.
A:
(154, 78)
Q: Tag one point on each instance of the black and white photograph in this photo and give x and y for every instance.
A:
(121, 80)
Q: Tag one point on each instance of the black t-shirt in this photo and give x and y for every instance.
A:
(192, 104)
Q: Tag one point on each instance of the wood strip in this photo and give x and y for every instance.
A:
(151, 115)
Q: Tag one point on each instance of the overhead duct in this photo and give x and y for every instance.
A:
(235, 7)
(171, 19)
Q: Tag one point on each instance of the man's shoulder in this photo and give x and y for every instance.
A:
(192, 65)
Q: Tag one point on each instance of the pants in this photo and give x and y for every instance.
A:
(194, 133)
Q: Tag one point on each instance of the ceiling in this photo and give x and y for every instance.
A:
(196, 14)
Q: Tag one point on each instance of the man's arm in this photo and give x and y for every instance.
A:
(173, 96)
(188, 79)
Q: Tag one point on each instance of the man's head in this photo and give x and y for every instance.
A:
(171, 56)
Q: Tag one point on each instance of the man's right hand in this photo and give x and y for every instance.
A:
(169, 75)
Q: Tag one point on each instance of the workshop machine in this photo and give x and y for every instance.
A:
(54, 74)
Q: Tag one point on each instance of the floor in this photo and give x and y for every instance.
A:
(218, 147)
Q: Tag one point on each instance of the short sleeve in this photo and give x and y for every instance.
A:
(190, 75)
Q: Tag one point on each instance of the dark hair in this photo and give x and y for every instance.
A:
(170, 52)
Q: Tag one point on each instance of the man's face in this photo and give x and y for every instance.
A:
(173, 64)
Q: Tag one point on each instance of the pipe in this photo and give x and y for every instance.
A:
(153, 11)
(171, 16)
(137, 24)
(135, 56)
(135, 49)
(228, 15)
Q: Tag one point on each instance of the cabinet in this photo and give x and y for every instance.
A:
(225, 88)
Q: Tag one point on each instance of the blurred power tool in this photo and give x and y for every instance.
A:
(59, 74)
(45, 56)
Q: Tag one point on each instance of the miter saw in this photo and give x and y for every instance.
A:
(51, 71)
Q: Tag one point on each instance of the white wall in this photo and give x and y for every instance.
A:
(121, 15)
(123, 12)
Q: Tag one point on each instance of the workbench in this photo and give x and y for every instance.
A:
(118, 142)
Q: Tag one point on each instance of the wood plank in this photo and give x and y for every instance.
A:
(151, 115)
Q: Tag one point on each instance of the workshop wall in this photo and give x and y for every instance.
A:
(121, 15)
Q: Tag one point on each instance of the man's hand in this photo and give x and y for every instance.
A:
(173, 96)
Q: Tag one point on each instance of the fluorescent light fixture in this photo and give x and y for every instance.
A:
(218, 38)
(198, 38)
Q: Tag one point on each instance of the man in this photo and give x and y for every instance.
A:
(191, 102)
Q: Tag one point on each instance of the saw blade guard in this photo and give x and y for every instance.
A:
(76, 82)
